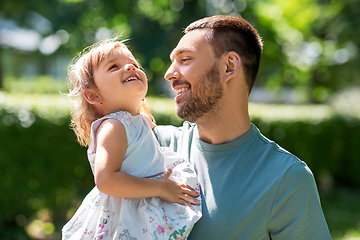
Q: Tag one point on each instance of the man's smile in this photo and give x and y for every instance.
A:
(180, 90)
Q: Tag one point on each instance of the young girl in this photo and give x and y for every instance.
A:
(134, 197)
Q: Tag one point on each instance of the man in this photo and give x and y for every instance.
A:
(251, 188)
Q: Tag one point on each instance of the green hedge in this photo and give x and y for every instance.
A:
(329, 142)
(45, 173)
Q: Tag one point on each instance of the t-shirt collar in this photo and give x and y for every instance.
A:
(224, 146)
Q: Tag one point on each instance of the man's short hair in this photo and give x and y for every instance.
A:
(231, 33)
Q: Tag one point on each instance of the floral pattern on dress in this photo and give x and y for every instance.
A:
(124, 116)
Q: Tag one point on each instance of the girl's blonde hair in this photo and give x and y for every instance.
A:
(81, 78)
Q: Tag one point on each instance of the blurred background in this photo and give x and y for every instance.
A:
(306, 97)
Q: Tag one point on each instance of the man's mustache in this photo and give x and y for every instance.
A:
(179, 82)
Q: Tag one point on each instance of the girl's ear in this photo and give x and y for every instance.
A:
(233, 64)
(92, 97)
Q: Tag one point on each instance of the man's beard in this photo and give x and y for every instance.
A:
(204, 96)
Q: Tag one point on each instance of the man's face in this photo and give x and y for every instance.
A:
(194, 74)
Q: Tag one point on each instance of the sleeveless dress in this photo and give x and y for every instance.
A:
(105, 217)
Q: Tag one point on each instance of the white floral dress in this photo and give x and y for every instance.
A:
(105, 217)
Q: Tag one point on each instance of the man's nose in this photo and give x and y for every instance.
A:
(172, 73)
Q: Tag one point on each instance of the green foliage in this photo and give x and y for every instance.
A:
(46, 173)
(310, 46)
(329, 146)
(36, 85)
(152, 26)
(342, 212)
(319, 135)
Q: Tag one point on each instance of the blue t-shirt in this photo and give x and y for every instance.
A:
(252, 189)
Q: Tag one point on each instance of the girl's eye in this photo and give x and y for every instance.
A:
(114, 66)
(136, 65)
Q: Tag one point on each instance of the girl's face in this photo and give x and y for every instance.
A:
(120, 82)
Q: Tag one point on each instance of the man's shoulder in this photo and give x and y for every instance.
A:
(274, 156)
(164, 131)
(168, 134)
(271, 147)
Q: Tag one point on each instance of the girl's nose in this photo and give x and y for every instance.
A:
(130, 67)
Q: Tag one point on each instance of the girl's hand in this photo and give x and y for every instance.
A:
(177, 192)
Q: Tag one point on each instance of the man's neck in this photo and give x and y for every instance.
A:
(223, 126)
(229, 119)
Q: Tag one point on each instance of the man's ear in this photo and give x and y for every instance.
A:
(92, 97)
(233, 64)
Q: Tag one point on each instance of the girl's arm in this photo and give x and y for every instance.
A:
(110, 151)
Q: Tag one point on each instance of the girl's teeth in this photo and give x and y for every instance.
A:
(132, 78)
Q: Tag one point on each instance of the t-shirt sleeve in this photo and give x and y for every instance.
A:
(296, 210)
(167, 136)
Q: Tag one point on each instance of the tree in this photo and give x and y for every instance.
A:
(153, 27)
(310, 46)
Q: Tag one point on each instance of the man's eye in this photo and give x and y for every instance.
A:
(185, 60)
